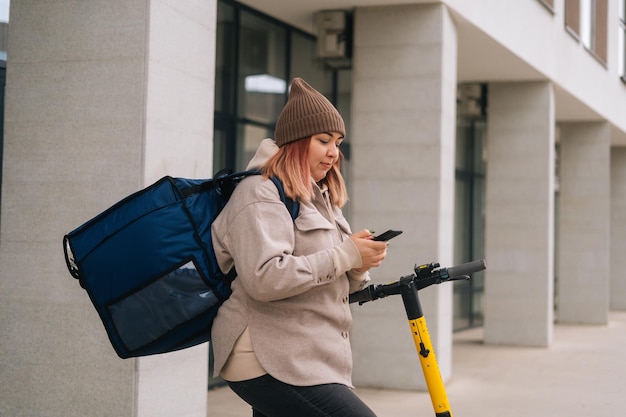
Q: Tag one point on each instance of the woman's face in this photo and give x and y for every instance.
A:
(323, 153)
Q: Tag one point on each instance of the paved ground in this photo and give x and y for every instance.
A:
(583, 374)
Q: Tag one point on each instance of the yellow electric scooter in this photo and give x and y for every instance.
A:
(408, 286)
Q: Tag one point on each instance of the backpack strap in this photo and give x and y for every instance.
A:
(227, 180)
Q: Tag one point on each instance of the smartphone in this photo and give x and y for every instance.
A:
(389, 234)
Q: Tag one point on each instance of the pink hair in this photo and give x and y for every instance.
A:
(291, 165)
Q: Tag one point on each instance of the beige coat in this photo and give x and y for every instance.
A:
(293, 282)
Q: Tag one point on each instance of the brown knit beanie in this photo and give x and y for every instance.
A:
(307, 112)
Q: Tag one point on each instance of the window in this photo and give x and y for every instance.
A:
(572, 17)
(601, 18)
(4, 33)
(256, 56)
(262, 69)
(469, 201)
(587, 20)
(3, 73)
(593, 27)
(587, 23)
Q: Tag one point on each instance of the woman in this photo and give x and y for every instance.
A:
(281, 340)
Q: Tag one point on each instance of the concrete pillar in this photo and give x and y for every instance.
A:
(618, 229)
(403, 144)
(102, 98)
(583, 223)
(519, 226)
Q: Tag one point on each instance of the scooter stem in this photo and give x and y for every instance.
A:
(426, 353)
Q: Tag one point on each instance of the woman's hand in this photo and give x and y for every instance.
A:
(372, 252)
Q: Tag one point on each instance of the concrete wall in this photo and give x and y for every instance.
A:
(403, 119)
(100, 101)
(584, 223)
(519, 212)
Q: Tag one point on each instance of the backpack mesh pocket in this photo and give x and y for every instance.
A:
(158, 308)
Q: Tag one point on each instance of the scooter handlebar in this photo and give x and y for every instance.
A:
(466, 268)
(425, 275)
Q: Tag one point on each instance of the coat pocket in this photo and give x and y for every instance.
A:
(308, 222)
(313, 233)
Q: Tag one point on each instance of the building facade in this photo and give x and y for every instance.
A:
(483, 129)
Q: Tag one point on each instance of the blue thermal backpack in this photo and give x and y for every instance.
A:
(149, 267)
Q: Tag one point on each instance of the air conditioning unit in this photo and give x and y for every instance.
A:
(334, 37)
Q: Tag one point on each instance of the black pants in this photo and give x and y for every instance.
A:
(272, 398)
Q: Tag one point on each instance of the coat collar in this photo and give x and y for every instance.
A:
(267, 148)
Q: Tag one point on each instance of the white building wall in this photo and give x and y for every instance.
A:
(93, 94)
(178, 123)
(402, 139)
(180, 89)
(585, 88)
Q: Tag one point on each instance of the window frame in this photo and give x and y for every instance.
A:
(548, 4)
(572, 18)
(587, 21)
(600, 30)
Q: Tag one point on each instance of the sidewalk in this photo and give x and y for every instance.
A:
(582, 374)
